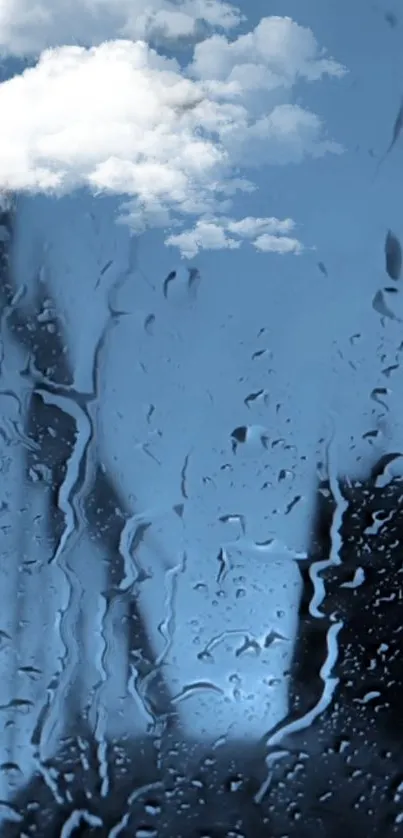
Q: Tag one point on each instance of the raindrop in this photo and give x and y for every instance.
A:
(234, 783)
(249, 434)
(170, 277)
(285, 474)
(150, 412)
(106, 267)
(249, 645)
(184, 477)
(323, 269)
(393, 255)
(377, 392)
(193, 279)
(239, 434)
(198, 686)
(272, 637)
(11, 814)
(152, 807)
(391, 19)
(4, 637)
(10, 768)
(368, 697)
(388, 467)
(259, 353)
(223, 563)
(260, 395)
(291, 505)
(18, 704)
(40, 473)
(371, 434)
(233, 519)
(388, 370)
(149, 324)
(31, 671)
(379, 305)
(359, 579)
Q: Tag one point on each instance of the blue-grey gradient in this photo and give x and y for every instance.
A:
(153, 386)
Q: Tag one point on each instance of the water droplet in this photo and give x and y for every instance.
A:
(393, 255)
(152, 807)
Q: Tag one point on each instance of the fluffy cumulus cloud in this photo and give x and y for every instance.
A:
(102, 106)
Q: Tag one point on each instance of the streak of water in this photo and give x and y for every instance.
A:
(341, 505)
(67, 497)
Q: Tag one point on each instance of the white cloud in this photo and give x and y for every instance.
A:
(250, 227)
(269, 234)
(28, 27)
(277, 244)
(120, 117)
(287, 134)
(275, 54)
(206, 235)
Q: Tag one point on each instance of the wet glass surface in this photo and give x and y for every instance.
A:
(201, 466)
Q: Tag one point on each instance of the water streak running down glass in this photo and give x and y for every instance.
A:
(201, 457)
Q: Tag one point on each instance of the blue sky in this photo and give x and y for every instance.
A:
(196, 364)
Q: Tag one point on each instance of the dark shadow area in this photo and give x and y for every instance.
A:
(343, 774)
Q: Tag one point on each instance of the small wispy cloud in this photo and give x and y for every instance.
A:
(176, 143)
(277, 244)
(266, 234)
